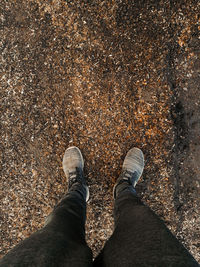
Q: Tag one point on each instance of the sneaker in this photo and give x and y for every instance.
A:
(131, 170)
(73, 165)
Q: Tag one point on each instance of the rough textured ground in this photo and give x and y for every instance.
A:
(104, 76)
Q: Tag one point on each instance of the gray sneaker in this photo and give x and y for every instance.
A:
(131, 170)
(73, 165)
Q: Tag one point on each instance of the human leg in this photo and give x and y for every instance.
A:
(61, 242)
(140, 238)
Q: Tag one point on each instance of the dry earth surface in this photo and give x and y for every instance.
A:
(104, 76)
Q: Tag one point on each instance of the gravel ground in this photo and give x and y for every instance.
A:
(104, 76)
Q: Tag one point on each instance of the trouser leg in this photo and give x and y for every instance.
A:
(62, 240)
(140, 238)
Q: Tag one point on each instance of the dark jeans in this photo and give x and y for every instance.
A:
(140, 238)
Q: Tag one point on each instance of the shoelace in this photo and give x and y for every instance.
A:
(75, 177)
(127, 176)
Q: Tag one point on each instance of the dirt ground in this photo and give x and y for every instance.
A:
(104, 76)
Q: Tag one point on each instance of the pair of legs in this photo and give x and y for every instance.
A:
(140, 238)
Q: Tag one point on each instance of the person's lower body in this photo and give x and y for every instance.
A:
(61, 242)
(140, 238)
